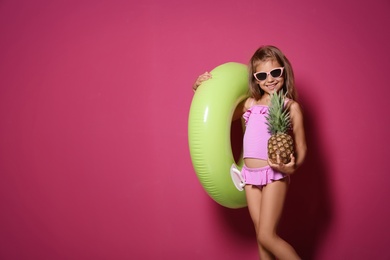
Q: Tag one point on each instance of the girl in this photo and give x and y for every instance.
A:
(267, 182)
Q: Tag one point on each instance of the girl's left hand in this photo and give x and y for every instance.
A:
(205, 76)
(288, 168)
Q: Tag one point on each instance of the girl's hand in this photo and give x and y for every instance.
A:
(200, 79)
(288, 168)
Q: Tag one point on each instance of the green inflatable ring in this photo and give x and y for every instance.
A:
(209, 127)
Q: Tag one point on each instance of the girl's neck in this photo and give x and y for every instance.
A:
(265, 99)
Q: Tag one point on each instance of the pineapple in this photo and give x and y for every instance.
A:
(278, 122)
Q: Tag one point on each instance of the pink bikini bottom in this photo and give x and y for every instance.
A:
(261, 176)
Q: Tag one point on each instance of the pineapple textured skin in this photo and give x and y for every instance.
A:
(281, 144)
(278, 122)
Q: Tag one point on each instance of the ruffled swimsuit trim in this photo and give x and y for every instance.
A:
(256, 109)
(261, 176)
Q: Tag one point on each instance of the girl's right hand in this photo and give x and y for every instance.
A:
(288, 168)
(205, 76)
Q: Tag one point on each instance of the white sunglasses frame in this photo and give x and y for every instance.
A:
(269, 73)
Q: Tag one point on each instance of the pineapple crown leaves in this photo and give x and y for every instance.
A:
(278, 118)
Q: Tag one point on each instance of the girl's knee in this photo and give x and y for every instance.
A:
(266, 239)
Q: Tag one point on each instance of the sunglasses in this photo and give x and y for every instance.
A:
(275, 73)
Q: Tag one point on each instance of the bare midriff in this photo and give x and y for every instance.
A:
(255, 163)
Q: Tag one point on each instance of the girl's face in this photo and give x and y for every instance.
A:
(273, 78)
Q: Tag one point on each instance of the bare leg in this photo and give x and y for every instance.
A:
(272, 201)
(253, 197)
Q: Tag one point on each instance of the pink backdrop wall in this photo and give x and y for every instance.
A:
(94, 102)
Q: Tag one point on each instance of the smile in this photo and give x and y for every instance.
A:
(271, 86)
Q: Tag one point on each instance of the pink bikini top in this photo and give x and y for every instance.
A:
(256, 134)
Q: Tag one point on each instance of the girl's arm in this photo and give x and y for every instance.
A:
(241, 108)
(299, 133)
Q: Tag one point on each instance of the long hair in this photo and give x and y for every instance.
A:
(269, 52)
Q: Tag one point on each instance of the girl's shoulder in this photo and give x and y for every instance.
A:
(290, 102)
(293, 106)
(249, 102)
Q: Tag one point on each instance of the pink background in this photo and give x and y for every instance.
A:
(94, 102)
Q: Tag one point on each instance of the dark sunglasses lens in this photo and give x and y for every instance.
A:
(261, 76)
(276, 73)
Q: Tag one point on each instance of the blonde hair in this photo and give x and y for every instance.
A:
(263, 54)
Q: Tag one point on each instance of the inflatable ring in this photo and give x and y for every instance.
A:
(209, 128)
